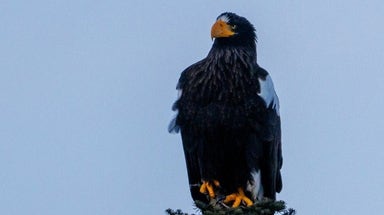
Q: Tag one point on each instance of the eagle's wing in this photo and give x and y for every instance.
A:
(271, 137)
(190, 140)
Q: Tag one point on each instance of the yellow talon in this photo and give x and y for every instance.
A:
(238, 198)
(207, 187)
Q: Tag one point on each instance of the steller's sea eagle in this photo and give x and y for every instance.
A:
(228, 116)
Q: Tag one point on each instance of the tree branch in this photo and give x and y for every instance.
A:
(265, 207)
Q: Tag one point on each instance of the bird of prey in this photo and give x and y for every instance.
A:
(228, 116)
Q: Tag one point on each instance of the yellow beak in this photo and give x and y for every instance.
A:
(221, 29)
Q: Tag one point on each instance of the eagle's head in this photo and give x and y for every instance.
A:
(231, 29)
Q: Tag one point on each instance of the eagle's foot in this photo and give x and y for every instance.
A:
(238, 198)
(208, 188)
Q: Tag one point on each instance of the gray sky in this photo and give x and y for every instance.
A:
(86, 89)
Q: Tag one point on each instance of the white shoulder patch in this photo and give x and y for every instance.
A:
(179, 93)
(173, 127)
(267, 92)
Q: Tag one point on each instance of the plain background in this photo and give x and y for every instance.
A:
(86, 89)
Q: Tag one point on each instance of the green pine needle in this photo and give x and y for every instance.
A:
(265, 207)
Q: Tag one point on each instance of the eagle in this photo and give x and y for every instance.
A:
(227, 112)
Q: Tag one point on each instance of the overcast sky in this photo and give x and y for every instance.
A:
(86, 89)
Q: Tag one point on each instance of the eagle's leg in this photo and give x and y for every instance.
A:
(238, 198)
(208, 188)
